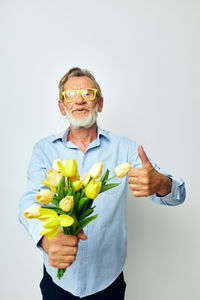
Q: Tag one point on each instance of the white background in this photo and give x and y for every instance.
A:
(145, 55)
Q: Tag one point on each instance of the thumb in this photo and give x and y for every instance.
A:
(81, 235)
(144, 159)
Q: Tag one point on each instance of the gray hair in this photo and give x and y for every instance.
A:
(77, 72)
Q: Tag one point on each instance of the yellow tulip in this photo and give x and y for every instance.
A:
(44, 196)
(77, 185)
(32, 212)
(55, 164)
(67, 203)
(123, 169)
(53, 177)
(53, 221)
(64, 161)
(85, 179)
(70, 168)
(53, 189)
(93, 189)
(74, 178)
(96, 170)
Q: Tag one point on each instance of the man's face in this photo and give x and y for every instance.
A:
(80, 113)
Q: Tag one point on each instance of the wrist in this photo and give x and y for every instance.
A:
(165, 185)
(44, 243)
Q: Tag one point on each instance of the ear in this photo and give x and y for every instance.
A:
(100, 105)
(61, 107)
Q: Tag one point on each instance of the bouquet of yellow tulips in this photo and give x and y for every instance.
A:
(70, 197)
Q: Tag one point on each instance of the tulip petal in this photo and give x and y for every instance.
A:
(93, 189)
(77, 185)
(32, 212)
(53, 189)
(45, 182)
(65, 220)
(55, 164)
(74, 178)
(71, 169)
(51, 223)
(85, 178)
(62, 169)
(50, 232)
(46, 213)
(96, 170)
(123, 169)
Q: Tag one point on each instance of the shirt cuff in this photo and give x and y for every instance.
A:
(175, 197)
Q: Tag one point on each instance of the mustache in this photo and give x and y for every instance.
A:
(79, 108)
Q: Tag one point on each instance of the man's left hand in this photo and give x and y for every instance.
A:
(147, 180)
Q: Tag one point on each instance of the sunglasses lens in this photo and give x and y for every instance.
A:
(70, 95)
(88, 94)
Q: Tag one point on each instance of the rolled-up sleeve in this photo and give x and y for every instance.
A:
(35, 174)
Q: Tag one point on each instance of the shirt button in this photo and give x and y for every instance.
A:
(82, 261)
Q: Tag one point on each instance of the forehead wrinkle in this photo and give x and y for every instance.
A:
(77, 83)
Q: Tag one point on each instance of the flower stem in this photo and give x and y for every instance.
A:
(60, 272)
(110, 178)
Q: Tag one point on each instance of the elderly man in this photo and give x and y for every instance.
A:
(94, 258)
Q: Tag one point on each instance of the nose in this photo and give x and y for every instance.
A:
(80, 99)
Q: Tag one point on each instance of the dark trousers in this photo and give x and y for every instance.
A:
(51, 291)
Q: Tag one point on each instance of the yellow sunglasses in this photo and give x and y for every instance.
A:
(88, 94)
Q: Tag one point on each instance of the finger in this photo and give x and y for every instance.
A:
(69, 240)
(131, 179)
(134, 181)
(65, 251)
(144, 159)
(63, 262)
(68, 259)
(141, 193)
(135, 187)
(137, 193)
(135, 172)
(81, 235)
(54, 260)
(63, 265)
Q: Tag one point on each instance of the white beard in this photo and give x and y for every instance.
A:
(86, 122)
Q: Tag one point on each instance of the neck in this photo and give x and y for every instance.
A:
(82, 137)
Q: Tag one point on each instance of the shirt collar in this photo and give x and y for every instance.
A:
(63, 135)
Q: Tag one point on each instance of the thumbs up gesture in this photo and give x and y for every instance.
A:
(147, 181)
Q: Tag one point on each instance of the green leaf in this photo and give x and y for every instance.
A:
(109, 186)
(76, 202)
(61, 188)
(104, 176)
(77, 195)
(57, 209)
(75, 225)
(71, 191)
(82, 190)
(85, 222)
(83, 202)
(86, 213)
(55, 200)
(67, 230)
(65, 191)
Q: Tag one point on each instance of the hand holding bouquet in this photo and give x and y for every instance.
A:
(69, 200)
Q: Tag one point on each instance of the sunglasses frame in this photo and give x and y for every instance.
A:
(63, 94)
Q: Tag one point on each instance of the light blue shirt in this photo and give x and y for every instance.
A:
(100, 259)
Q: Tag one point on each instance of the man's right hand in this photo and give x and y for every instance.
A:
(62, 248)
